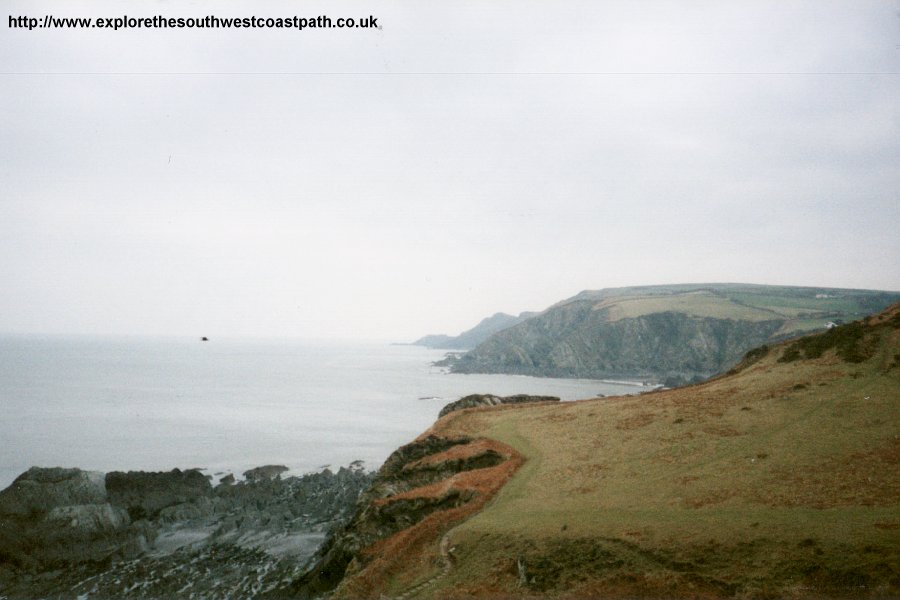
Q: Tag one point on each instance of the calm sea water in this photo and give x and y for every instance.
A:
(226, 405)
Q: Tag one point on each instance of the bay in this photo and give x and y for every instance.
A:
(227, 405)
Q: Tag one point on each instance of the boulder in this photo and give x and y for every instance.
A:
(187, 511)
(56, 516)
(39, 490)
(145, 494)
(265, 472)
(89, 518)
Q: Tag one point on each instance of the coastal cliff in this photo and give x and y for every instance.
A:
(421, 491)
(672, 334)
(472, 337)
(778, 479)
(657, 346)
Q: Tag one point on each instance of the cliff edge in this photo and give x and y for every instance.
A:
(778, 479)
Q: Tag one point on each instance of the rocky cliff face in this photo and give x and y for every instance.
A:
(673, 332)
(581, 342)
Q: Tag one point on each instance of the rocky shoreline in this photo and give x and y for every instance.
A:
(68, 533)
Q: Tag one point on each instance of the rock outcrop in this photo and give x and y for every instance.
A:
(40, 490)
(89, 518)
(477, 400)
(66, 532)
(57, 516)
(145, 494)
(425, 486)
(264, 472)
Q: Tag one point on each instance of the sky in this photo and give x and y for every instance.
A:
(464, 158)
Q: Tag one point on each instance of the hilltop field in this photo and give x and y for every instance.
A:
(780, 479)
(802, 309)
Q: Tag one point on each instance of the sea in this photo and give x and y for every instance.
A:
(228, 405)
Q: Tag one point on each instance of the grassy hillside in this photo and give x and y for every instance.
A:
(779, 480)
(658, 332)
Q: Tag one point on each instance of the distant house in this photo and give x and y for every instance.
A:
(830, 325)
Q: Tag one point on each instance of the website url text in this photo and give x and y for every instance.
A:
(207, 22)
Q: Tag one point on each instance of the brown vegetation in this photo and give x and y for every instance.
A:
(404, 556)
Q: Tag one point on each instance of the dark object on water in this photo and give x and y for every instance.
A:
(204, 339)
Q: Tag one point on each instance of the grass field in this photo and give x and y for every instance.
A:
(780, 481)
(699, 304)
(803, 309)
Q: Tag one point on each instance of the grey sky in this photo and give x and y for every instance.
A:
(467, 158)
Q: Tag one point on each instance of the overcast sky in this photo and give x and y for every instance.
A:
(464, 159)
